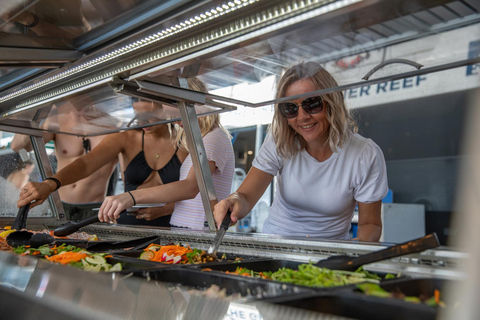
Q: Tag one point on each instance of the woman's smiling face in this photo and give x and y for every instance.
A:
(312, 127)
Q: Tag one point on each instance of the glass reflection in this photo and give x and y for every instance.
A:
(16, 271)
(98, 112)
(15, 171)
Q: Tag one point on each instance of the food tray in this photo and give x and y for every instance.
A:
(414, 287)
(269, 265)
(357, 305)
(246, 287)
(135, 254)
(135, 266)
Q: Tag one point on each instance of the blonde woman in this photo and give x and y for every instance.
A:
(188, 211)
(323, 167)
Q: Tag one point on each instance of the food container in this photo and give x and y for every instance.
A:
(267, 265)
(353, 303)
(229, 259)
(201, 280)
(137, 267)
(356, 306)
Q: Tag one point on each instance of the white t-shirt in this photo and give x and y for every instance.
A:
(317, 199)
(190, 213)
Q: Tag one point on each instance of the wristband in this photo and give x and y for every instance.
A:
(34, 23)
(131, 195)
(59, 184)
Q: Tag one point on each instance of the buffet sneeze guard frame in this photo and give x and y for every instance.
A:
(185, 100)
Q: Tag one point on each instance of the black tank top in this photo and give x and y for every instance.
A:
(135, 175)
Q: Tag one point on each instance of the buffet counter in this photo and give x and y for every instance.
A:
(146, 290)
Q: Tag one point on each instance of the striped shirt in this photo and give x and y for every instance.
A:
(190, 213)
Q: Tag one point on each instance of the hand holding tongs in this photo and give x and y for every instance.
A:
(221, 233)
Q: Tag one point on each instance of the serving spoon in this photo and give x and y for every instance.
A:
(349, 263)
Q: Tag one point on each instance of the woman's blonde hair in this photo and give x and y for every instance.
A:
(341, 123)
(206, 123)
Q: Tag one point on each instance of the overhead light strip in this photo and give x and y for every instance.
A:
(275, 13)
(58, 94)
(194, 21)
(298, 10)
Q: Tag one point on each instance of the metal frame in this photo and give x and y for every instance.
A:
(200, 161)
(46, 171)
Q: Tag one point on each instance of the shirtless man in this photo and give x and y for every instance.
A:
(81, 197)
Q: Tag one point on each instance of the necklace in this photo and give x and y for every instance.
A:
(156, 153)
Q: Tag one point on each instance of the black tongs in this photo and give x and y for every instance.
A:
(72, 226)
(221, 233)
(21, 219)
(349, 263)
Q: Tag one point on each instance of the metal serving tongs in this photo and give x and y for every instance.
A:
(349, 263)
(220, 233)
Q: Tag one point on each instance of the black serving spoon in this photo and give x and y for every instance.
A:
(349, 263)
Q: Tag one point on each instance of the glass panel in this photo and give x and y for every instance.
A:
(346, 47)
(65, 19)
(68, 292)
(100, 111)
(15, 172)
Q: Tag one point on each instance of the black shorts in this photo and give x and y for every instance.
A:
(80, 211)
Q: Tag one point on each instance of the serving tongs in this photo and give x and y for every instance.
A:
(19, 238)
(73, 226)
(135, 244)
(344, 262)
(212, 250)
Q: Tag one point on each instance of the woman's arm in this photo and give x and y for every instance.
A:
(165, 193)
(21, 141)
(369, 221)
(84, 166)
(240, 203)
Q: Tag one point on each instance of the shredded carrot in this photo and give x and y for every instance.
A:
(174, 250)
(67, 257)
(206, 269)
(437, 296)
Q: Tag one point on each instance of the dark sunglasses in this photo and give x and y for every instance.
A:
(310, 105)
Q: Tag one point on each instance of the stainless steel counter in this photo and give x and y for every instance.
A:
(440, 263)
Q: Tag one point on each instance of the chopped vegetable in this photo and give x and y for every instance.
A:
(372, 289)
(311, 276)
(177, 254)
(67, 257)
(4, 234)
(147, 255)
(96, 259)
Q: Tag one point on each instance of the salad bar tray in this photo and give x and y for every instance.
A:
(232, 285)
(399, 299)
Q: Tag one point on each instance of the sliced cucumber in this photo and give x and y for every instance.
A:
(96, 259)
(147, 255)
(92, 268)
(116, 267)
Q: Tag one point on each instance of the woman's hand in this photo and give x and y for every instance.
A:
(154, 212)
(232, 203)
(112, 207)
(36, 191)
